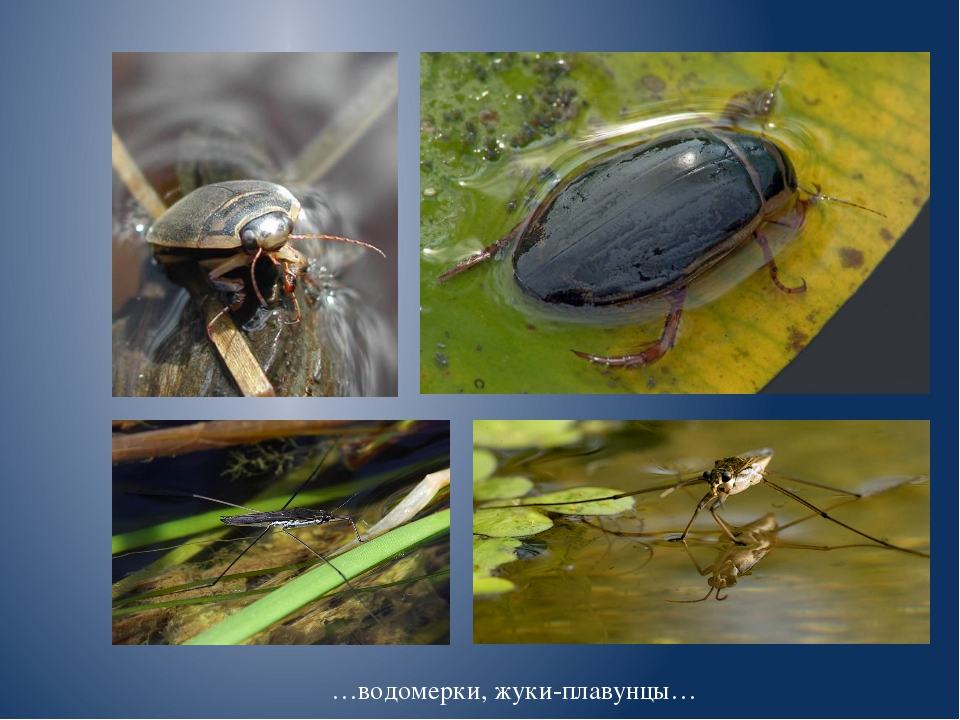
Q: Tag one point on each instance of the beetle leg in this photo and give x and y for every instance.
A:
(655, 351)
(236, 302)
(214, 322)
(227, 285)
(294, 267)
(482, 256)
(774, 275)
(296, 306)
(218, 267)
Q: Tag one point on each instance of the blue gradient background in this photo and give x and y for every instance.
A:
(57, 656)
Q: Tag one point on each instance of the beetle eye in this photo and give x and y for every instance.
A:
(249, 239)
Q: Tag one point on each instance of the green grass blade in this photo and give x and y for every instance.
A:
(305, 589)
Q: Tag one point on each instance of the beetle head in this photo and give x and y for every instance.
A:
(269, 232)
(777, 179)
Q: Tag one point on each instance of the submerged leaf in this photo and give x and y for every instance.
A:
(488, 585)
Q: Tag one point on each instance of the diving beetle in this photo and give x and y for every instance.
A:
(245, 219)
(641, 223)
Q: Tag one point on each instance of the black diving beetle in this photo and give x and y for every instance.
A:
(641, 223)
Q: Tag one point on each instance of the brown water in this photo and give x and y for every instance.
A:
(591, 586)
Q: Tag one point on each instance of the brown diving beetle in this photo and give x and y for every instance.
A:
(233, 224)
(641, 223)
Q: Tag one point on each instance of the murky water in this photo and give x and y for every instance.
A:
(580, 584)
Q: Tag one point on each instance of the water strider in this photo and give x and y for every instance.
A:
(731, 476)
(284, 519)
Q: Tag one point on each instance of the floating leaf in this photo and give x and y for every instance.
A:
(503, 488)
(484, 465)
(491, 553)
(490, 124)
(510, 522)
(515, 434)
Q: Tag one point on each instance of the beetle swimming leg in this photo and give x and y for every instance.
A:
(655, 351)
(482, 256)
(774, 275)
(218, 267)
(296, 306)
(236, 303)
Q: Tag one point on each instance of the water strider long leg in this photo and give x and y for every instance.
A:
(712, 495)
(365, 607)
(721, 523)
(824, 515)
(316, 471)
(815, 484)
(235, 560)
(660, 488)
(709, 593)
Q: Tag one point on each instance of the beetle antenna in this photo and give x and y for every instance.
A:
(337, 238)
(814, 196)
